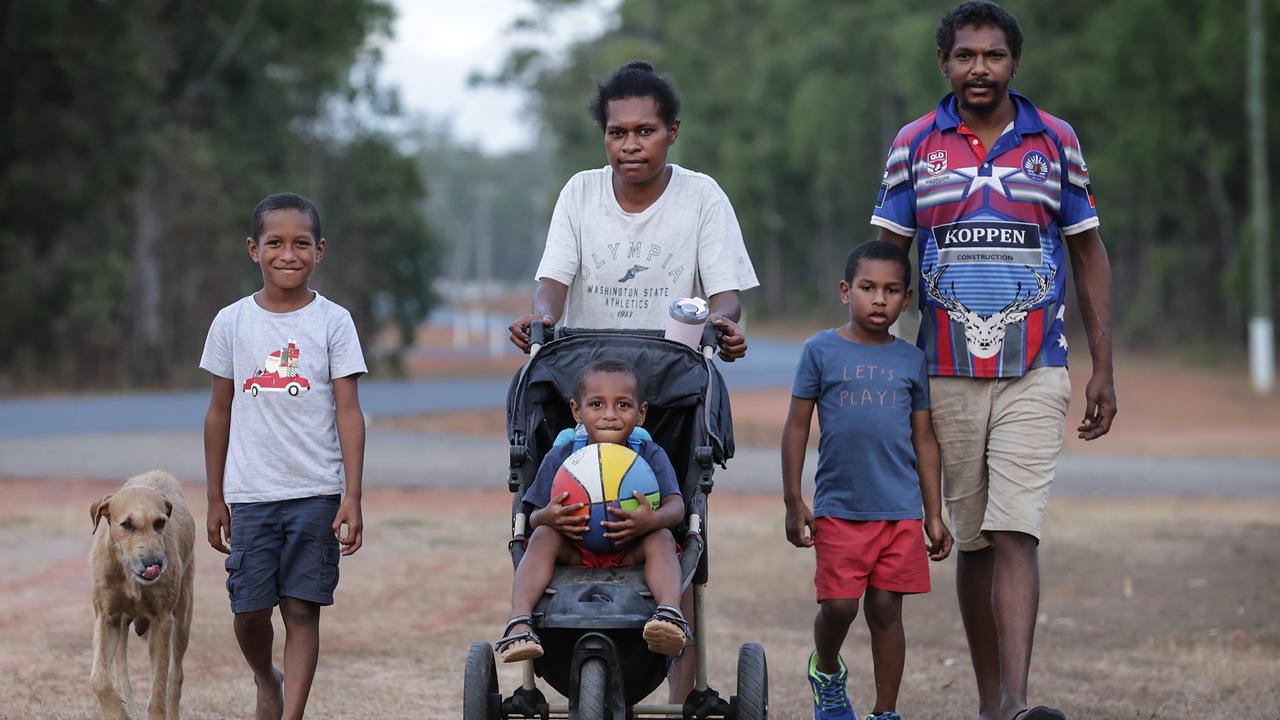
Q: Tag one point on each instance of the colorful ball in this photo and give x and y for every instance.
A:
(600, 476)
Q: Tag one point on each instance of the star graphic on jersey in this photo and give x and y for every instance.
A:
(995, 180)
(1062, 312)
(1062, 341)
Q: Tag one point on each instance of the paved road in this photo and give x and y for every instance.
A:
(402, 458)
(772, 363)
(115, 436)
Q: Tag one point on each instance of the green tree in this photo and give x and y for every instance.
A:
(136, 138)
(791, 106)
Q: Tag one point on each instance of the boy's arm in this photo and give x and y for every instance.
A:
(929, 468)
(561, 517)
(631, 524)
(549, 510)
(795, 439)
(346, 399)
(217, 435)
(1092, 272)
(624, 525)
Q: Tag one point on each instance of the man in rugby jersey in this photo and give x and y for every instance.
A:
(998, 194)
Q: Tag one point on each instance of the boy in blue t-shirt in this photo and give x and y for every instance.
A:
(878, 461)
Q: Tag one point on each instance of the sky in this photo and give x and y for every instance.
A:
(438, 44)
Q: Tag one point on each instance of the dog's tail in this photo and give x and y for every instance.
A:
(140, 626)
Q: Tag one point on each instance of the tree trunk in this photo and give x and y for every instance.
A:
(149, 359)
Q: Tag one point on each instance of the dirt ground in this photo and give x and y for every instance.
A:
(1150, 609)
(1166, 409)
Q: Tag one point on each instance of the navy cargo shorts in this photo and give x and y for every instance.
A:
(284, 548)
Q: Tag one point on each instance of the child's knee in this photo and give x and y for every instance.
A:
(883, 610)
(254, 618)
(660, 540)
(842, 610)
(544, 536)
(295, 611)
(547, 547)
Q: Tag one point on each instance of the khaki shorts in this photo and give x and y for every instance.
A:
(1000, 441)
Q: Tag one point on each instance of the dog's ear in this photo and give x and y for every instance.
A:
(168, 508)
(98, 510)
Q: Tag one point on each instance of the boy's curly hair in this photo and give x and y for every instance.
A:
(607, 365)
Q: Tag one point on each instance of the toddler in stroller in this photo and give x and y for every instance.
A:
(608, 403)
(601, 636)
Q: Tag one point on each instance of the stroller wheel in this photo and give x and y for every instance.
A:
(480, 697)
(592, 689)
(752, 700)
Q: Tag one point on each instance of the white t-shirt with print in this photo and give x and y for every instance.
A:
(624, 269)
(284, 427)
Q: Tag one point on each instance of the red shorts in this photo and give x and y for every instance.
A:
(605, 561)
(885, 554)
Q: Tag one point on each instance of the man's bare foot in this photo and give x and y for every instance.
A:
(270, 696)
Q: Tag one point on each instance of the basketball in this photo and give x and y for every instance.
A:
(600, 476)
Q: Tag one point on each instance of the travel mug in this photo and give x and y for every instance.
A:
(685, 320)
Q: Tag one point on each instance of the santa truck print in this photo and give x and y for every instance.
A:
(280, 374)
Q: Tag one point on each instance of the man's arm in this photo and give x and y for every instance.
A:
(548, 304)
(1092, 272)
(217, 435)
(350, 418)
(901, 241)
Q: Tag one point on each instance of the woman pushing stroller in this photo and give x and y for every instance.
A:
(627, 239)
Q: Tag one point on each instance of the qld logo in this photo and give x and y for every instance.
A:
(936, 162)
(1035, 165)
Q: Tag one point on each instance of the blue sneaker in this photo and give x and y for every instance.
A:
(830, 700)
(886, 715)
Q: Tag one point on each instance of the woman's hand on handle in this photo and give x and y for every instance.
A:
(520, 329)
(733, 343)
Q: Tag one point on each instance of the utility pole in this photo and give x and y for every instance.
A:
(1261, 326)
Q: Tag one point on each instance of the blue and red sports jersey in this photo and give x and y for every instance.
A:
(990, 225)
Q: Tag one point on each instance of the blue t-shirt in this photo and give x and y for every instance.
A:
(539, 493)
(865, 396)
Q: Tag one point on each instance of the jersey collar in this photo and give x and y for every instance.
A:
(1026, 122)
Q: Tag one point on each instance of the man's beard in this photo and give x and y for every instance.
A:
(984, 107)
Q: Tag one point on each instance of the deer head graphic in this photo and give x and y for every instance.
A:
(984, 335)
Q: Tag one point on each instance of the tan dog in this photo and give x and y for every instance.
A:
(142, 574)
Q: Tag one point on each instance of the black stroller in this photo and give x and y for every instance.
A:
(590, 620)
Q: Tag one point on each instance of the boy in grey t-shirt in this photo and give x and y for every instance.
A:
(284, 448)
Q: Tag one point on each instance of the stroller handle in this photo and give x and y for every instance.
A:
(710, 340)
(537, 336)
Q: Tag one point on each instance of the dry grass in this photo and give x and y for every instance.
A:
(1150, 610)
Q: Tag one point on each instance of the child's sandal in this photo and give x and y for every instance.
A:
(521, 646)
(667, 632)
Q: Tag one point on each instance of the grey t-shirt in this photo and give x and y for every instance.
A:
(284, 430)
(865, 396)
(623, 269)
